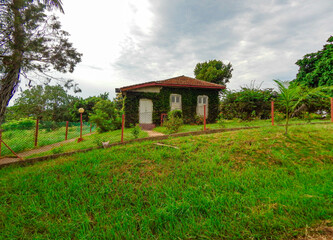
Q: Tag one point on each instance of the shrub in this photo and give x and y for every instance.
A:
(221, 120)
(136, 131)
(174, 122)
(199, 120)
(106, 116)
(279, 116)
(21, 124)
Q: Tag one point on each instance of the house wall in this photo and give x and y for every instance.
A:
(161, 104)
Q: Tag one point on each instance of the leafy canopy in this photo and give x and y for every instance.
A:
(32, 41)
(214, 71)
(316, 69)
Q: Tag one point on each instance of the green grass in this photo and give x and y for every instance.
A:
(22, 140)
(235, 124)
(250, 184)
(93, 140)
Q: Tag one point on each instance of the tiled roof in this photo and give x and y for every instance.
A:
(181, 81)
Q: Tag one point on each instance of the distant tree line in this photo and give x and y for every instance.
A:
(54, 103)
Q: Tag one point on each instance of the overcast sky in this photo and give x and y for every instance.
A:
(133, 41)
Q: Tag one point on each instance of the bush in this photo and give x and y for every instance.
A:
(221, 120)
(249, 103)
(136, 131)
(21, 124)
(279, 116)
(174, 122)
(106, 116)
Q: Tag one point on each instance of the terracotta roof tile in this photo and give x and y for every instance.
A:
(181, 81)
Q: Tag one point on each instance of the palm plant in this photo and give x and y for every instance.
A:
(292, 95)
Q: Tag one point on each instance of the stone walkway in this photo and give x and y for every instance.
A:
(6, 160)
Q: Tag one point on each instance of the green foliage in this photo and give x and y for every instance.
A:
(315, 69)
(31, 41)
(214, 71)
(279, 116)
(136, 131)
(106, 116)
(247, 104)
(221, 120)
(21, 124)
(88, 105)
(174, 122)
(49, 103)
(291, 95)
(161, 104)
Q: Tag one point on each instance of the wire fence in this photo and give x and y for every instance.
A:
(33, 134)
(21, 137)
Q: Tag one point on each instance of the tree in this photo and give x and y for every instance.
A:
(316, 69)
(106, 116)
(214, 71)
(47, 102)
(31, 41)
(88, 105)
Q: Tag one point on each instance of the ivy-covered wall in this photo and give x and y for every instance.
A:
(161, 104)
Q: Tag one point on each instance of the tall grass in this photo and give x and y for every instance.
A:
(253, 184)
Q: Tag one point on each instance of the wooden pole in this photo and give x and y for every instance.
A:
(332, 109)
(80, 138)
(122, 127)
(12, 150)
(66, 135)
(272, 109)
(36, 132)
(90, 127)
(0, 140)
(204, 117)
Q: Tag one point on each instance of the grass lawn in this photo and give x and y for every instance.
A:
(93, 140)
(234, 124)
(22, 140)
(250, 184)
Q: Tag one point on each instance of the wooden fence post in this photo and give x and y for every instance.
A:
(36, 132)
(122, 128)
(205, 117)
(0, 140)
(332, 109)
(90, 127)
(66, 135)
(272, 109)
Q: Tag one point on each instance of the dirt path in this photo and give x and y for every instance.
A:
(46, 148)
(152, 133)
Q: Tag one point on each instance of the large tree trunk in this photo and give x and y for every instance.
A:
(11, 79)
(8, 87)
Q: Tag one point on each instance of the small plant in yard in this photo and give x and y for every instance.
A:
(279, 116)
(174, 122)
(136, 131)
(291, 95)
(58, 150)
(221, 120)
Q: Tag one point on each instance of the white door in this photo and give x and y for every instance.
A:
(146, 111)
(202, 102)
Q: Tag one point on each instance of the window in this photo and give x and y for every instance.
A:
(175, 102)
(202, 100)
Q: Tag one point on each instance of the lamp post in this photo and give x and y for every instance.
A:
(81, 110)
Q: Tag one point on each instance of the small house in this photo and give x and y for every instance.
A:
(147, 103)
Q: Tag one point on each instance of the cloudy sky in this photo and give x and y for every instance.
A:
(133, 41)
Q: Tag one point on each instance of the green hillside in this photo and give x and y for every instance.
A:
(255, 183)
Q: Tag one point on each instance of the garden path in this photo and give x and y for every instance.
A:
(152, 133)
(6, 160)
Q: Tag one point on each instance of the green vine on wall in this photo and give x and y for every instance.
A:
(161, 104)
